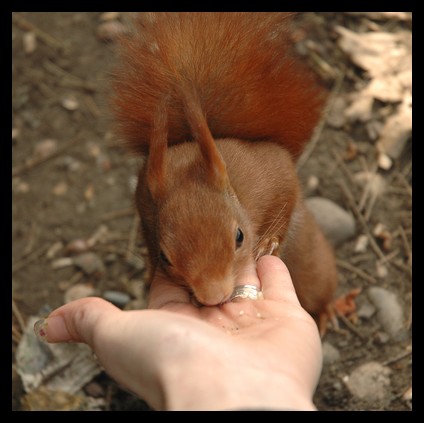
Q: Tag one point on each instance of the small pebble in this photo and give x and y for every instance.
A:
(109, 16)
(95, 390)
(331, 354)
(337, 224)
(78, 291)
(381, 338)
(77, 246)
(381, 270)
(370, 382)
(384, 161)
(30, 42)
(110, 30)
(137, 304)
(90, 263)
(366, 310)
(312, 184)
(70, 103)
(60, 189)
(45, 148)
(120, 299)
(361, 244)
(389, 311)
(336, 118)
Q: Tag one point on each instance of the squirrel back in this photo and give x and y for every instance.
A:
(239, 65)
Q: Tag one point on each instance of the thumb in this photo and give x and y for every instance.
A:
(275, 279)
(74, 322)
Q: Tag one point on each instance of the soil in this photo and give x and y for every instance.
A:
(60, 93)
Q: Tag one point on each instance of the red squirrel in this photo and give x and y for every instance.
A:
(221, 109)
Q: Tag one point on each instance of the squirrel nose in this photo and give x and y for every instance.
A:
(214, 295)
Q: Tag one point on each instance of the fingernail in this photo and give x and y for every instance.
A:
(40, 329)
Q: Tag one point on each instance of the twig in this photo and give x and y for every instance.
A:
(395, 359)
(343, 166)
(25, 25)
(405, 242)
(361, 219)
(405, 183)
(317, 133)
(350, 326)
(92, 106)
(387, 258)
(31, 239)
(356, 270)
(18, 315)
(85, 85)
(132, 237)
(118, 213)
(70, 79)
(16, 335)
(33, 162)
(25, 260)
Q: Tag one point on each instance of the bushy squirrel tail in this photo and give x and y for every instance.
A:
(249, 84)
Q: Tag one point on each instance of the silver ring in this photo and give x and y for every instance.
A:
(246, 292)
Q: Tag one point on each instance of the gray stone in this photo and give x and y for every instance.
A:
(78, 291)
(337, 224)
(370, 383)
(120, 299)
(331, 354)
(389, 312)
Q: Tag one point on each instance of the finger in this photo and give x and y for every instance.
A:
(164, 292)
(74, 322)
(249, 276)
(276, 280)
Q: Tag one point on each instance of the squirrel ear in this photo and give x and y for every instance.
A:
(156, 161)
(216, 169)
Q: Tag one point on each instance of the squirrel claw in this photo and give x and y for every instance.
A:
(342, 306)
(268, 246)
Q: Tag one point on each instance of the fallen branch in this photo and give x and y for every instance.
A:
(317, 133)
(356, 270)
(25, 25)
(33, 162)
(18, 315)
(361, 219)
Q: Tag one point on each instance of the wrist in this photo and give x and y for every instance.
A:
(245, 389)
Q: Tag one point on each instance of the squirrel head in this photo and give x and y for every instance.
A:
(196, 230)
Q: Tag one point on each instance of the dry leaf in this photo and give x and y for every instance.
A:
(397, 130)
(383, 16)
(378, 53)
(360, 108)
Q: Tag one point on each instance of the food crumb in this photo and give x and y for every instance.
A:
(241, 312)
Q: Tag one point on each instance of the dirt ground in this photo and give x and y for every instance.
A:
(81, 180)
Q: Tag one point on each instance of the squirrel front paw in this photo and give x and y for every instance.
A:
(267, 246)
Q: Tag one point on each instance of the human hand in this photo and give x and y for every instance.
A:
(263, 354)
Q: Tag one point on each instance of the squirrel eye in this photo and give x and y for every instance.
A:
(239, 237)
(164, 259)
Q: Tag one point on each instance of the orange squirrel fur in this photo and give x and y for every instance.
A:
(221, 109)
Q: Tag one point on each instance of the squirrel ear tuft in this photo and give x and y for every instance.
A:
(215, 165)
